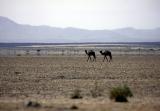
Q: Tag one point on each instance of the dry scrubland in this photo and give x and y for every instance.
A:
(51, 80)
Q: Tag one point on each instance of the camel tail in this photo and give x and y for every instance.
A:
(95, 56)
(111, 56)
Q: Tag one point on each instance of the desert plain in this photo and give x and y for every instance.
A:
(51, 80)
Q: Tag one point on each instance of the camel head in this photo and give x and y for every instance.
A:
(86, 52)
(101, 51)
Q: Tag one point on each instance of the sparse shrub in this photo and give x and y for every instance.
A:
(76, 94)
(38, 52)
(18, 54)
(32, 104)
(96, 91)
(27, 52)
(120, 93)
(74, 107)
(17, 72)
(61, 77)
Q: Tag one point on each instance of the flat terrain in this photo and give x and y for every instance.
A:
(51, 81)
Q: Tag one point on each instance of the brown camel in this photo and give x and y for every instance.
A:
(105, 54)
(90, 53)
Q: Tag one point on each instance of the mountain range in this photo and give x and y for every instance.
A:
(12, 32)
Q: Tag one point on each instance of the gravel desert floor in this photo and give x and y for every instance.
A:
(51, 81)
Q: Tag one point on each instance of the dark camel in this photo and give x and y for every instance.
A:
(91, 53)
(105, 54)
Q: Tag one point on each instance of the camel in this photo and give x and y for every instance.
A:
(105, 54)
(90, 53)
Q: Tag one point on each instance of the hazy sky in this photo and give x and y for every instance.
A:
(88, 14)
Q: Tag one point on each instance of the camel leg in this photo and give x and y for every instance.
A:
(110, 59)
(94, 58)
(88, 58)
(104, 58)
(107, 59)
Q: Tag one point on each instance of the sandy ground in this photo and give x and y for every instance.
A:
(50, 81)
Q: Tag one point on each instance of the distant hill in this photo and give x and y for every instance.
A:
(10, 31)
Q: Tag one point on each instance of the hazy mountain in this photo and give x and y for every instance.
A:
(10, 31)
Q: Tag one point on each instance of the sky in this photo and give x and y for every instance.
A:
(86, 14)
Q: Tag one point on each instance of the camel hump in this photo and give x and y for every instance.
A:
(91, 51)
